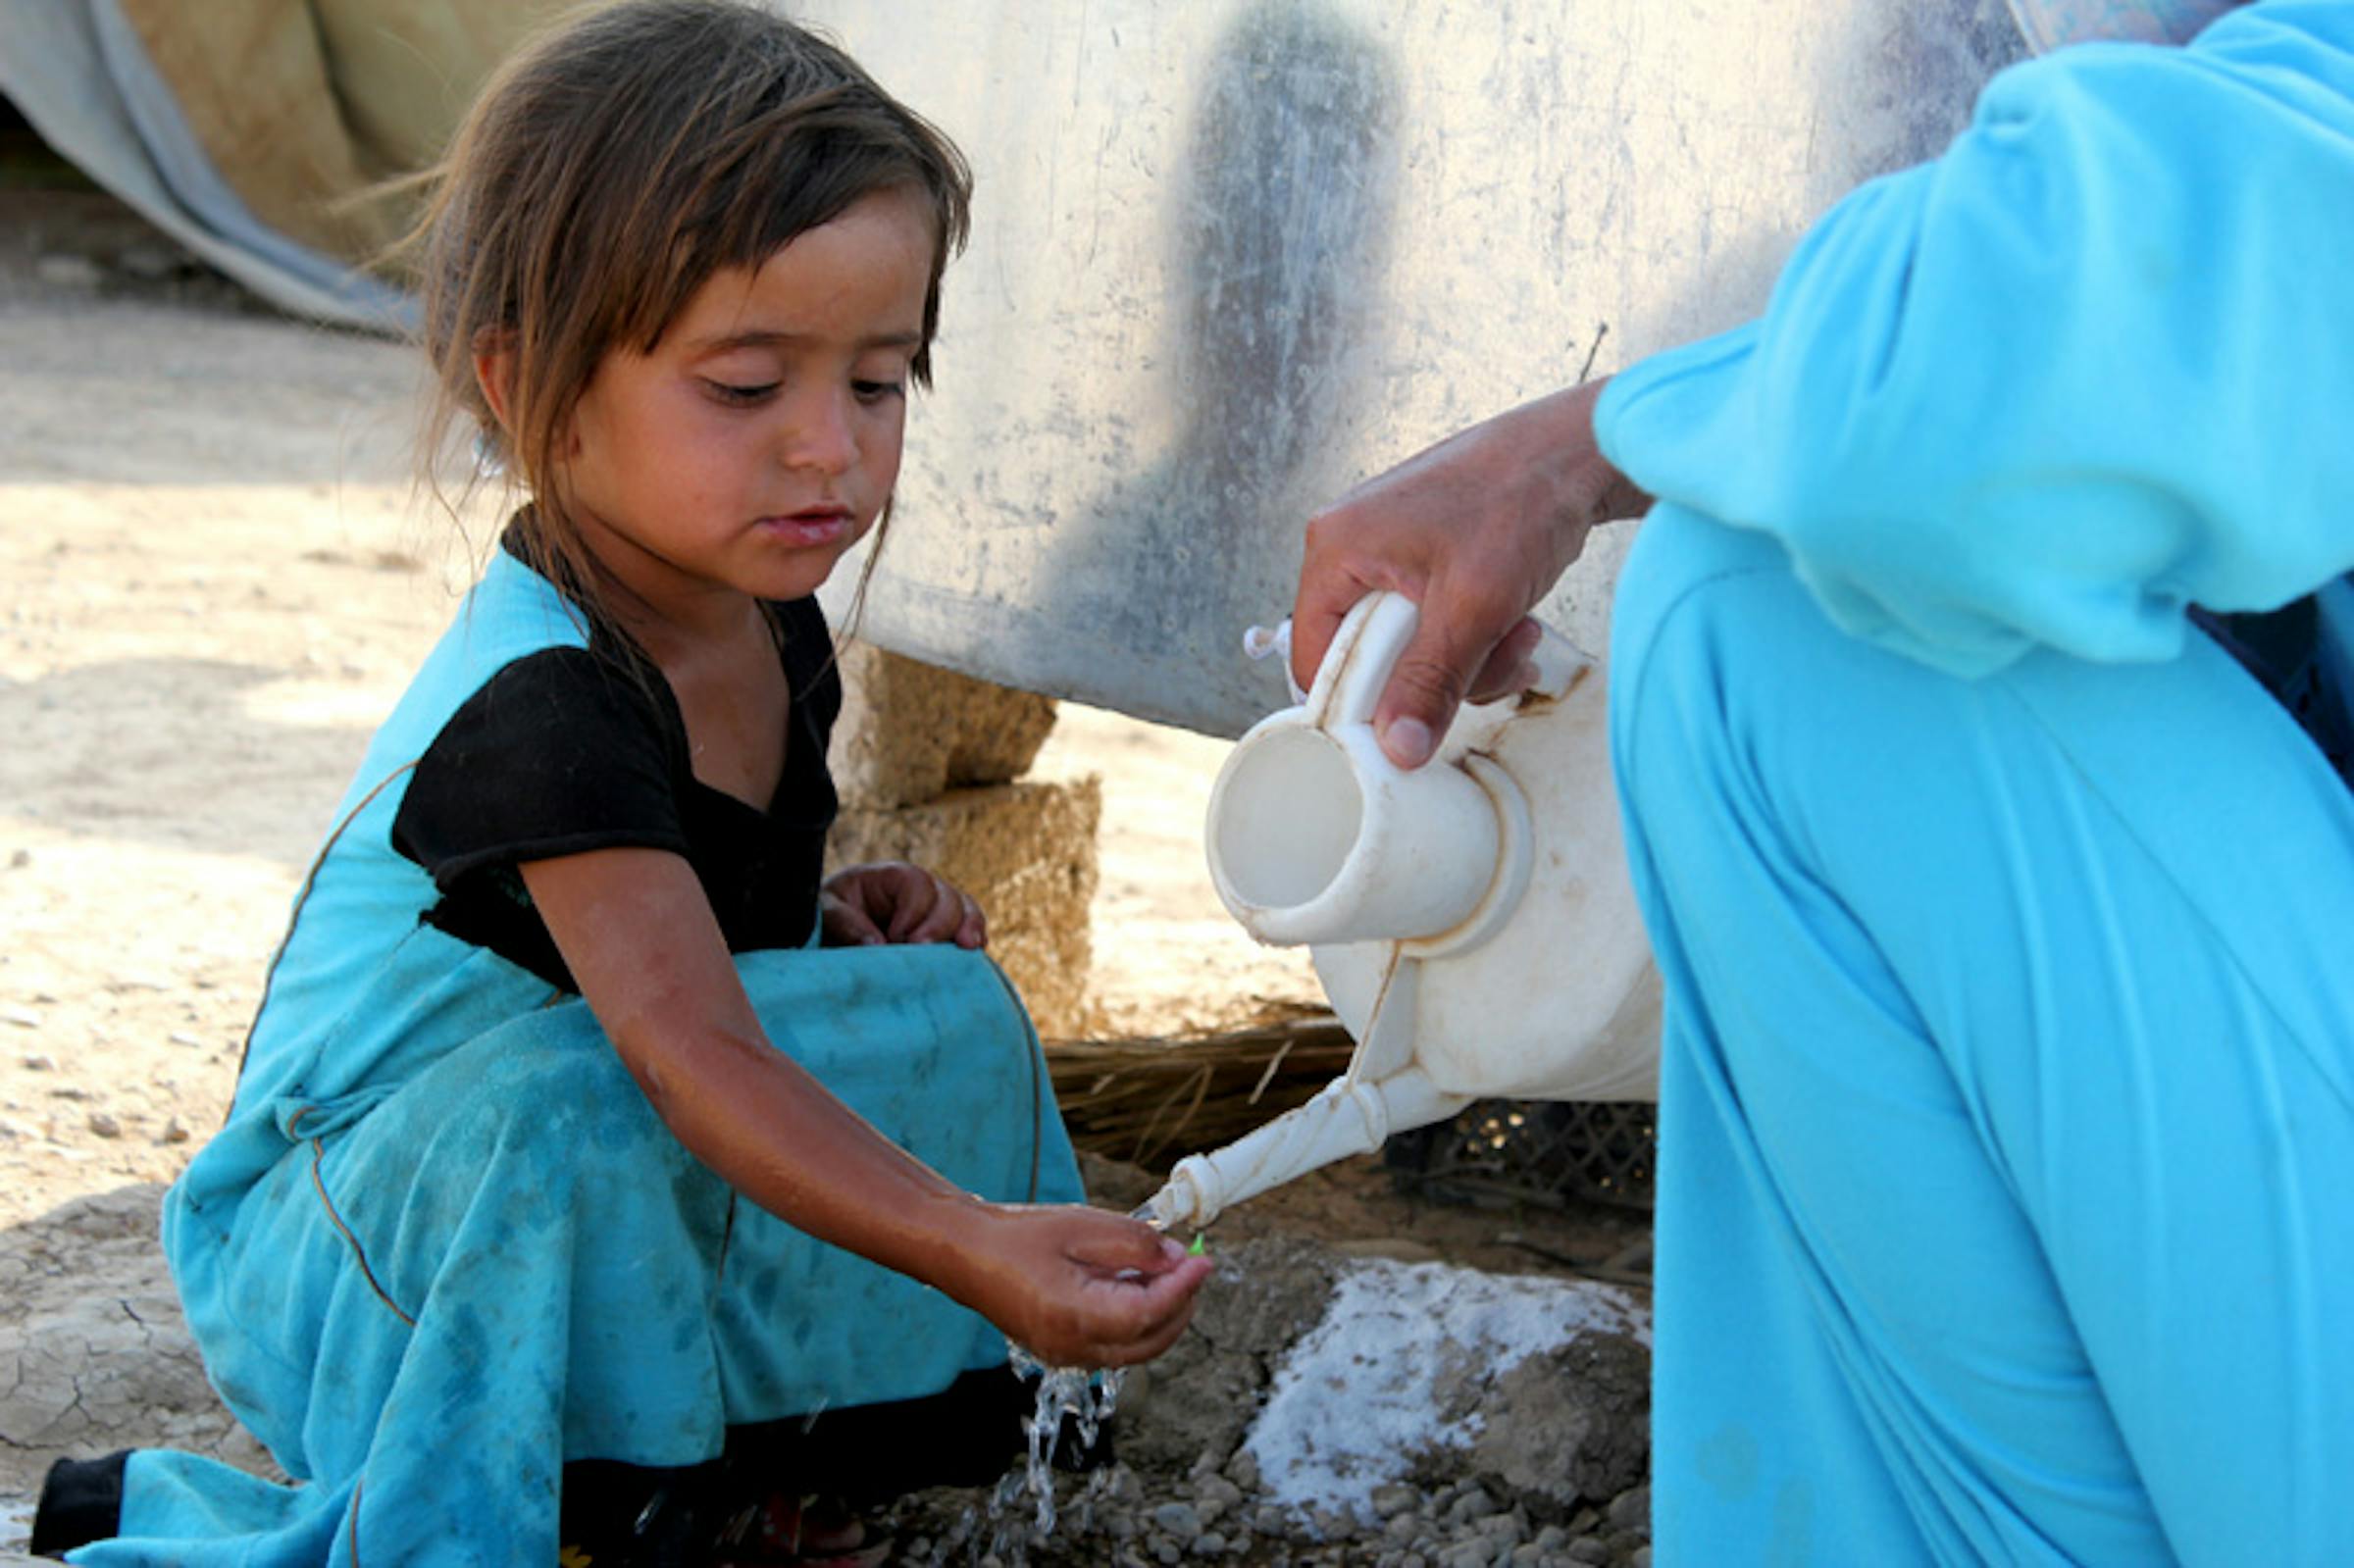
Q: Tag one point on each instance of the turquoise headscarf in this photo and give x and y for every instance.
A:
(2049, 23)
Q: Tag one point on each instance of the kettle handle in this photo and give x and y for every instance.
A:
(1358, 665)
(1373, 635)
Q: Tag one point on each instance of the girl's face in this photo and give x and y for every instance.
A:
(760, 438)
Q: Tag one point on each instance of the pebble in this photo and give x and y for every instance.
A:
(1394, 1497)
(1216, 1492)
(1640, 1558)
(182, 1037)
(1209, 1544)
(1631, 1511)
(22, 1017)
(1472, 1504)
(42, 1064)
(104, 1124)
(1504, 1527)
(148, 263)
(60, 270)
(174, 1132)
(1179, 1519)
(1589, 1549)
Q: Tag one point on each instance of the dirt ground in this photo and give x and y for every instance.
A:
(217, 579)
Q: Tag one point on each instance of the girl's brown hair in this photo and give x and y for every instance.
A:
(604, 175)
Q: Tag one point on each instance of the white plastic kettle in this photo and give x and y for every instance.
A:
(1472, 920)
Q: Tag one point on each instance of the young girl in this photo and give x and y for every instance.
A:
(568, 1178)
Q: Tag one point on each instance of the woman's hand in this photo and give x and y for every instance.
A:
(892, 901)
(1078, 1287)
(1474, 531)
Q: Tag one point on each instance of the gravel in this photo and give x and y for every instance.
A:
(1188, 1491)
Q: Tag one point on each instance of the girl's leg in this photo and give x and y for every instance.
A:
(434, 1299)
(2007, 1096)
(441, 1294)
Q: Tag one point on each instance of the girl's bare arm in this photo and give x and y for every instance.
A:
(1076, 1286)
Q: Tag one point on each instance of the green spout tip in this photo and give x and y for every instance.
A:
(1199, 1246)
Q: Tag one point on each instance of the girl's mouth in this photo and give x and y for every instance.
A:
(816, 525)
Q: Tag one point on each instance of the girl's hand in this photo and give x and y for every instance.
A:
(892, 901)
(1079, 1286)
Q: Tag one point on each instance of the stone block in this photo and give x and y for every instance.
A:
(1027, 851)
(909, 732)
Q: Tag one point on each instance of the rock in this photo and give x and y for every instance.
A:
(1471, 1505)
(1026, 852)
(174, 1132)
(1630, 1510)
(1572, 1423)
(910, 731)
(1504, 1527)
(1177, 1519)
(1209, 1543)
(60, 270)
(40, 1064)
(1394, 1497)
(104, 1124)
(1589, 1549)
(1639, 1558)
(151, 264)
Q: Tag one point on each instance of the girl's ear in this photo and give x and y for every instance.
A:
(494, 369)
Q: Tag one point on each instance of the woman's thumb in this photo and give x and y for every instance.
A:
(1425, 690)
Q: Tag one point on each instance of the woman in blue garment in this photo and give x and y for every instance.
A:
(1980, 716)
(567, 1205)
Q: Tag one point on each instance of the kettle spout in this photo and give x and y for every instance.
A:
(1345, 1118)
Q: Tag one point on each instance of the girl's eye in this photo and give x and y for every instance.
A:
(876, 391)
(740, 396)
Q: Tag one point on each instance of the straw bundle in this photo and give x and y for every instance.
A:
(1152, 1102)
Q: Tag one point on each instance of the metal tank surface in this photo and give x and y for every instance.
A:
(1232, 258)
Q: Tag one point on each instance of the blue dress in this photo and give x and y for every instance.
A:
(2007, 1105)
(443, 1246)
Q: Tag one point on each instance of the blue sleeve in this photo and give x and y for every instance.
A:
(2095, 363)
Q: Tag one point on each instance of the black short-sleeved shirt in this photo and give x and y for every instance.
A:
(572, 749)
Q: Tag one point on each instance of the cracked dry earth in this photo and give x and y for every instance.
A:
(216, 581)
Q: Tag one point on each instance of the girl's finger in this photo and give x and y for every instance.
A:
(848, 925)
(943, 908)
(913, 895)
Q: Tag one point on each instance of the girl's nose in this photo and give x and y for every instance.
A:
(820, 434)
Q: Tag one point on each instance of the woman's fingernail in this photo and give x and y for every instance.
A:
(1408, 741)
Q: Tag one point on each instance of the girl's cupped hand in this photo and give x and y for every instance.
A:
(893, 901)
(1079, 1286)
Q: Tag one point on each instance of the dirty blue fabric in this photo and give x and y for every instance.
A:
(445, 1245)
(2007, 1101)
